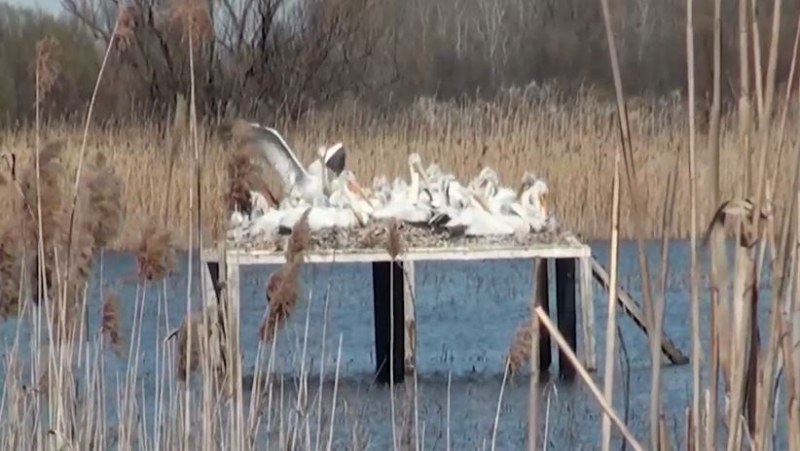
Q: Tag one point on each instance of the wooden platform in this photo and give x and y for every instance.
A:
(224, 266)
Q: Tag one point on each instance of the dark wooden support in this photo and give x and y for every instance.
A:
(213, 270)
(565, 299)
(388, 300)
(542, 295)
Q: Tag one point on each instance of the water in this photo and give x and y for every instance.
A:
(467, 315)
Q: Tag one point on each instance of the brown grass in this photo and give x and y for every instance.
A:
(567, 143)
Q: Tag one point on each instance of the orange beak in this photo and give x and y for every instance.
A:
(353, 186)
(543, 202)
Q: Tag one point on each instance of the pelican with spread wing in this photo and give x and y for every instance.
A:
(308, 184)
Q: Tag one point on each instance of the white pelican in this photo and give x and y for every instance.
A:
(405, 203)
(532, 205)
(474, 220)
(258, 207)
(297, 181)
(346, 207)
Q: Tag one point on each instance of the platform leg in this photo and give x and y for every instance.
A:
(410, 336)
(565, 298)
(388, 300)
(212, 286)
(587, 315)
(542, 299)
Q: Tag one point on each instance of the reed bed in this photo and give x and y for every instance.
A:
(568, 138)
(57, 382)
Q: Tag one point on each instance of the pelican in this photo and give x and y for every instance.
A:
(474, 220)
(532, 205)
(405, 203)
(308, 184)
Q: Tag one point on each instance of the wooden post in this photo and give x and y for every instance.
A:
(587, 315)
(565, 299)
(542, 298)
(388, 303)
(410, 323)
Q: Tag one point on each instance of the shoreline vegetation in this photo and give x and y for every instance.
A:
(628, 168)
(568, 142)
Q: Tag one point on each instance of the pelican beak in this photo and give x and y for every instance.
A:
(422, 173)
(543, 203)
(354, 187)
(481, 201)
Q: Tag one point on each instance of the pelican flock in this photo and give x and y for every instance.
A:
(430, 198)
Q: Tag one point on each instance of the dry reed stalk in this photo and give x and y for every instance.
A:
(715, 150)
(123, 22)
(533, 390)
(695, 296)
(283, 285)
(656, 414)
(42, 186)
(607, 408)
(111, 323)
(155, 258)
(611, 326)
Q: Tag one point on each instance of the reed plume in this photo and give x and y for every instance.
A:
(244, 177)
(10, 262)
(395, 245)
(126, 27)
(282, 285)
(47, 66)
(105, 208)
(520, 351)
(49, 188)
(111, 324)
(155, 256)
(196, 343)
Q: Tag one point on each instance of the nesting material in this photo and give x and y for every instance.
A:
(376, 236)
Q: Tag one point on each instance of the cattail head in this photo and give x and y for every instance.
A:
(155, 254)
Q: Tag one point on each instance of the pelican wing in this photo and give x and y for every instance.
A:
(278, 153)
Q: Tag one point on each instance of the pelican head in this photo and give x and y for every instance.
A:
(433, 172)
(538, 195)
(415, 167)
(528, 181)
(334, 157)
(415, 164)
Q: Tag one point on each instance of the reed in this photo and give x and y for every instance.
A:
(566, 141)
